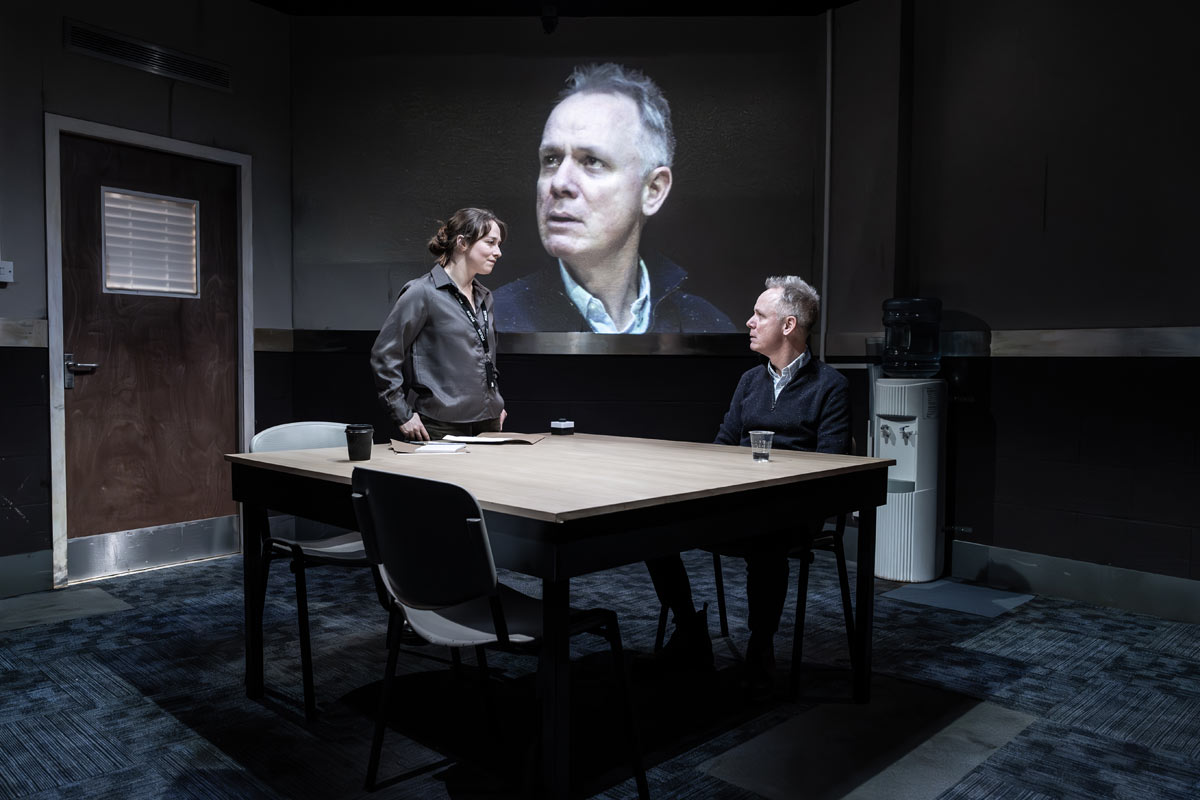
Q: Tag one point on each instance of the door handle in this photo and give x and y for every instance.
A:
(71, 368)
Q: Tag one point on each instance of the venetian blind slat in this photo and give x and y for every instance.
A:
(150, 244)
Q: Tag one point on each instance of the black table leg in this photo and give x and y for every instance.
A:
(554, 673)
(865, 605)
(254, 532)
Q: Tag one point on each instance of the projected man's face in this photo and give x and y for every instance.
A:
(591, 195)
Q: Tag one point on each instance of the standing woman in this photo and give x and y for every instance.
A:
(434, 359)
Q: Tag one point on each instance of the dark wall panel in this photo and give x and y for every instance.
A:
(24, 451)
(1094, 459)
(658, 397)
(666, 397)
(273, 389)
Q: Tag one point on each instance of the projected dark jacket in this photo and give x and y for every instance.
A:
(812, 412)
(539, 302)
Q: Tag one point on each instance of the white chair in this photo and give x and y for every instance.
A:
(429, 544)
(341, 549)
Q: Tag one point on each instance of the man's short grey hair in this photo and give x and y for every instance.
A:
(656, 145)
(798, 299)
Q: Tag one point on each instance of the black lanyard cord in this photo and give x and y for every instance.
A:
(481, 332)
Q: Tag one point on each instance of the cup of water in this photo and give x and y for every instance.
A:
(760, 444)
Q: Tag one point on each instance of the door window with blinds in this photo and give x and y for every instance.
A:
(151, 244)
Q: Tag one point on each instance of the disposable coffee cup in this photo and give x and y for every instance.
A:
(359, 441)
(760, 444)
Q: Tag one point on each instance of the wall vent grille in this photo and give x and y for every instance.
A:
(90, 40)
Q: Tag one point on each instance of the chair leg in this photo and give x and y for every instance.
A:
(801, 609)
(310, 703)
(839, 552)
(662, 629)
(455, 663)
(485, 686)
(382, 715)
(719, 577)
(613, 634)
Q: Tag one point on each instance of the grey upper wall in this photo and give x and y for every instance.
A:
(1052, 170)
(1030, 163)
(1055, 162)
(37, 75)
(1049, 169)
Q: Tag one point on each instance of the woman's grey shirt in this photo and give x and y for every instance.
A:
(428, 358)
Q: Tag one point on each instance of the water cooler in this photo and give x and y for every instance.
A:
(908, 424)
(908, 427)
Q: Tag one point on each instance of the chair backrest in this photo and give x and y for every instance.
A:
(428, 538)
(299, 436)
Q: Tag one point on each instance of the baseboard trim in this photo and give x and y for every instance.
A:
(1131, 590)
(1017, 571)
(26, 572)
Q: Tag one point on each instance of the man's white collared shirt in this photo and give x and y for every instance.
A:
(592, 309)
(782, 378)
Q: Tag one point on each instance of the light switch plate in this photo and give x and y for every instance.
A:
(6, 271)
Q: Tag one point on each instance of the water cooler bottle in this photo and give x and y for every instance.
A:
(907, 423)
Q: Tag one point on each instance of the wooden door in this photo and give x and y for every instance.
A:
(147, 429)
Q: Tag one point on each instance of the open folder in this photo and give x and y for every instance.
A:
(496, 437)
(458, 444)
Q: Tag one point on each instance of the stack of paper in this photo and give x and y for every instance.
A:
(403, 447)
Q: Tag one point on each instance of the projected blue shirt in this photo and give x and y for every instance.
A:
(593, 311)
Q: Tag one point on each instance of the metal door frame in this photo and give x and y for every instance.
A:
(56, 125)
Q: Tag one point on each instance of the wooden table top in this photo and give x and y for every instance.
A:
(562, 478)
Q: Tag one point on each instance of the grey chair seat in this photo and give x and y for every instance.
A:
(344, 550)
(471, 623)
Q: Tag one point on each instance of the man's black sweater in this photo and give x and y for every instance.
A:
(812, 412)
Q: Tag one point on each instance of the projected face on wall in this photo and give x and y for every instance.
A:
(649, 195)
(604, 170)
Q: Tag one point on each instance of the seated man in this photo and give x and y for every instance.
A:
(807, 405)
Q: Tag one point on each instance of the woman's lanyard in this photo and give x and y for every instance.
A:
(481, 332)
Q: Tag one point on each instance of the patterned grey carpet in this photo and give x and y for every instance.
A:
(143, 698)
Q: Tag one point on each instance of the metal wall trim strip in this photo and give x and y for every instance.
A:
(24, 333)
(1164, 342)
(106, 554)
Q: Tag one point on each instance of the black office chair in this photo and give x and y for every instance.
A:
(338, 548)
(829, 539)
(428, 542)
